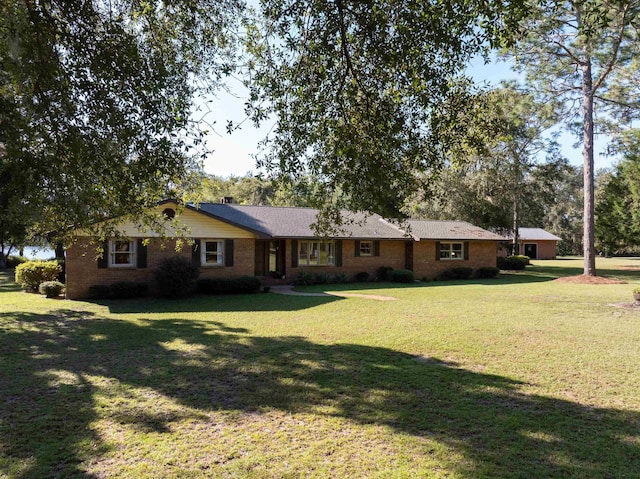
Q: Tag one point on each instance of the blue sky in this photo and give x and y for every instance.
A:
(232, 153)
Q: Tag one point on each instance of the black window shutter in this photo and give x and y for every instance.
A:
(294, 253)
(103, 261)
(338, 244)
(376, 248)
(357, 252)
(195, 252)
(465, 247)
(228, 252)
(141, 252)
(437, 250)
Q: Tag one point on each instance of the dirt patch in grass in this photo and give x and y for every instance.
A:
(582, 279)
(633, 306)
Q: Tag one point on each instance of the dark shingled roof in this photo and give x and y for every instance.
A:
(291, 222)
(450, 230)
(285, 222)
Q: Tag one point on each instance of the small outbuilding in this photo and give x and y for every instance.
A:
(537, 243)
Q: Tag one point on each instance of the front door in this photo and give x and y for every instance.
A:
(276, 262)
(531, 250)
(270, 258)
(408, 255)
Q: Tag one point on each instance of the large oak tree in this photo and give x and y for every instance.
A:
(96, 98)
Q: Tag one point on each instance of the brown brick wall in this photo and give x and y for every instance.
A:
(546, 248)
(82, 267)
(425, 265)
(391, 254)
(83, 271)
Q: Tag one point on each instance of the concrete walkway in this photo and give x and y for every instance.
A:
(288, 291)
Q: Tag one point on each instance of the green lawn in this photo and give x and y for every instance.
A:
(519, 377)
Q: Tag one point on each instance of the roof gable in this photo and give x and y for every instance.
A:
(536, 234)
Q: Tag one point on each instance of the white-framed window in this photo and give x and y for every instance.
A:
(452, 251)
(366, 248)
(122, 253)
(316, 253)
(212, 252)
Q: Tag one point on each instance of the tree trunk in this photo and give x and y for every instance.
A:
(587, 154)
(59, 250)
(516, 200)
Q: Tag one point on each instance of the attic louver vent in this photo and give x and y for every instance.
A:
(169, 213)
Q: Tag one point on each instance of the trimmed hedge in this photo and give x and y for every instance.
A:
(362, 277)
(303, 279)
(128, 289)
(341, 278)
(241, 285)
(32, 274)
(322, 278)
(383, 273)
(51, 289)
(486, 272)
(176, 277)
(98, 291)
(525, 259)
(400, 276)
(119, 290)
(510, 263)
(460, 272)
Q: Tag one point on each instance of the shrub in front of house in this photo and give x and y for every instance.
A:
(525, 259)
(340, 278)
(511, 263)
(362, 277)
(303, 279)
(32, 274)
(98, 291)
(322, 278)
(460, 272)
(176, 277)
(383, 273)
(51, 289)
(486, 272)
(127, 289)
(400, 276)
(119, 290)
(241, 285)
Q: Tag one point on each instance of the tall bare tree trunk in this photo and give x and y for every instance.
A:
(516, 200)
(587, 154)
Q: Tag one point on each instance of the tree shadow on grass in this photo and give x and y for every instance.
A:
(49, 398)
(7, 283)
(222, 303)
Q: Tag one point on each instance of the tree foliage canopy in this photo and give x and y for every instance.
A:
(618, 206)
(357, 89)
(506, 181)
(95, 98)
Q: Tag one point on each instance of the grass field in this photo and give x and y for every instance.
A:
(519, 377)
